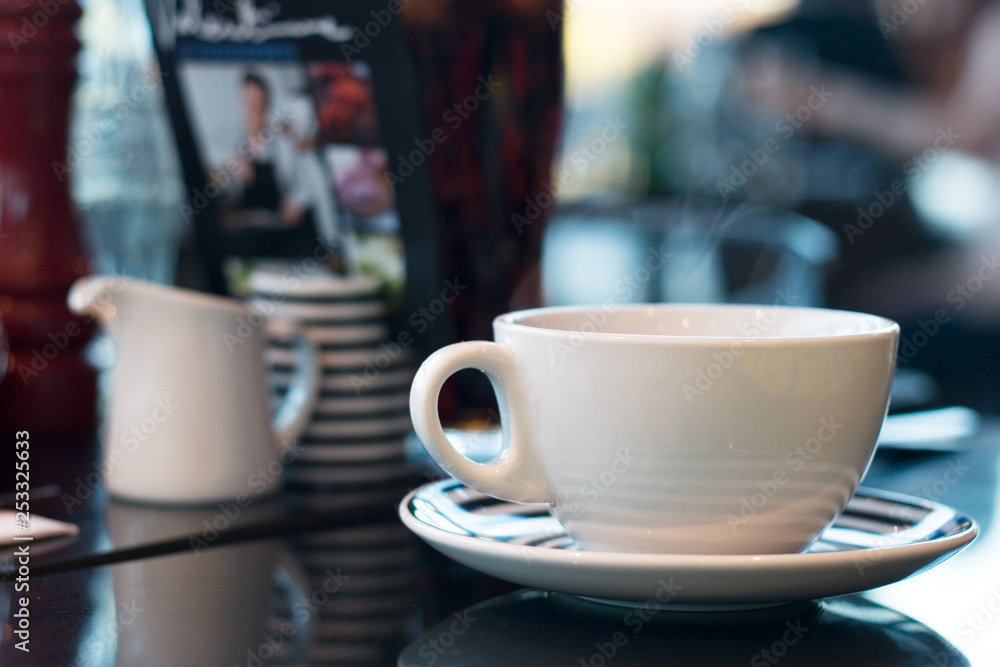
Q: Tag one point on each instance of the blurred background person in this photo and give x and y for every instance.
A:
(926, 103)
(271, 210)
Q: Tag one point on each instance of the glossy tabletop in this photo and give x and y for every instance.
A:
(346, 583)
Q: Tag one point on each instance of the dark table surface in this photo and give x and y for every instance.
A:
(273, 583)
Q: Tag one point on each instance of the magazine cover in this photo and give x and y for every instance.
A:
(289, 117)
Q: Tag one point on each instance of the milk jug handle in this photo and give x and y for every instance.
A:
(293, 414)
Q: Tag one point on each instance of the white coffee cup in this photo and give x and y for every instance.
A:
(714, 429)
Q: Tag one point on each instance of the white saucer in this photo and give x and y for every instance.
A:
(879, 539)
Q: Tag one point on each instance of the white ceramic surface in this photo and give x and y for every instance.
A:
(188, 420)
(676, 428)
(881, 538)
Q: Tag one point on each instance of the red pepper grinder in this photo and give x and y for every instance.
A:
(49, 387)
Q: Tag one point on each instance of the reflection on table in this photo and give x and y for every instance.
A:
(540, 629)
(349, 585)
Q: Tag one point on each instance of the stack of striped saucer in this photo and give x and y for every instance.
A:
(354, 440)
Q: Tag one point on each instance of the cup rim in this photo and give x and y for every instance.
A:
(516, 320)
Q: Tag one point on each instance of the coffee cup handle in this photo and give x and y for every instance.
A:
(514, 475)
